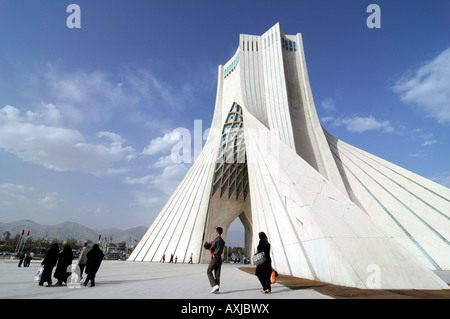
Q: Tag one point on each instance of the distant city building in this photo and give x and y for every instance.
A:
(331, 211)
(6, 236)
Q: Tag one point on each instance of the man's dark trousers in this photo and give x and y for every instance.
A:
(215, 265)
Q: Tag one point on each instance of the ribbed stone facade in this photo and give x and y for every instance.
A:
(332, 212)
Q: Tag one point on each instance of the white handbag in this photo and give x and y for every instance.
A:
(39, 273)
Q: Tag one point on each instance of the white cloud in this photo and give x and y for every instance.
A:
(81, 86)
(88, 97)
(57, 148)
(162, 144)
(46, 113)
(328, 105)
(429, 142)
(145, 180)
(164, 161)
(115, 150)
(9, 113)
(429, 87)
(166, 182)
(443, 179)
(426, 139)
(326, 119)
(159, 187)
(149, 201)
(170, 178)
(358, 124)
(84, 96)
(161, 183)
(26, 198)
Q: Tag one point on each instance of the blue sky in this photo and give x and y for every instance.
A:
(88, 116)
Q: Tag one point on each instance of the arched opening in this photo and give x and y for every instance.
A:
(235, 251)
(226, 213)
(236, 234)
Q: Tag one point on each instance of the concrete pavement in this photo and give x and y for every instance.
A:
(142, 280)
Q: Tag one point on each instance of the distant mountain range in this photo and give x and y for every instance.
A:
(67, 230)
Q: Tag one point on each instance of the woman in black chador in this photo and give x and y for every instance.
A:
(94, 259)
(49, 262)
(64, 260)
(264, 270)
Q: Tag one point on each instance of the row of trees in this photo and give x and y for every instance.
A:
(38, 245)
(41, 245)
(237, 251)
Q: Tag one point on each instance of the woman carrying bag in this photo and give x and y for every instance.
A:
(50, 260)
(94, 259)
(264, 270)
(64, 261)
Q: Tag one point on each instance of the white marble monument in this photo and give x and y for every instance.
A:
(332, 212)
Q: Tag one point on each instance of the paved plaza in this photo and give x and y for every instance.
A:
(143, 280)
(182, 290)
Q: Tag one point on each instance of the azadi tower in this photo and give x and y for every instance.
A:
(332, 212)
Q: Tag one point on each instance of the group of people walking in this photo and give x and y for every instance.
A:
(89, 261)
(263, 271)
(25, 259)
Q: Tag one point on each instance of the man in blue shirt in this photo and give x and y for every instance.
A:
(215, 265)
